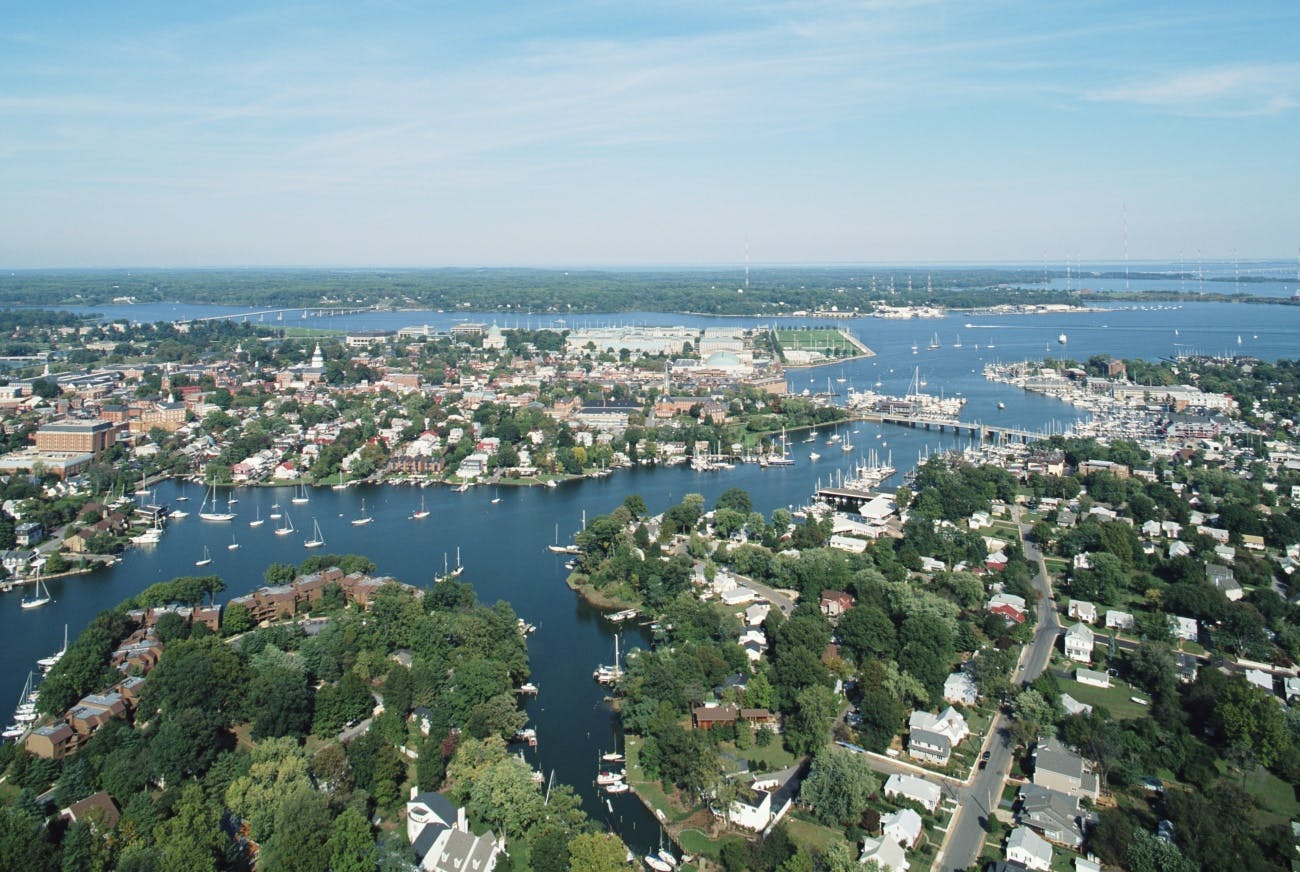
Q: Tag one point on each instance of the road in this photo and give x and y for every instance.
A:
(978, 800)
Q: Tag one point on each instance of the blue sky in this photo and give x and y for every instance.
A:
(406, 133)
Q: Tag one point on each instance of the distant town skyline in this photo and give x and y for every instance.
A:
(585, 133)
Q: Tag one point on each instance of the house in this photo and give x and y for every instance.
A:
(930, 746)
(886, 854)
(53, 741)
(1117, 620)
(1026, 847)
(1009, 606)
(1072, 706)
(1178, 549)
(1261, 679)
(1092, 677)
(1059, 768)
(949, 723)
(835, 603)
(706, 717)
(902, 826)
(442, 840)
(99, 810)
(1056, 816)
(1183, 628)
(916, 789)
(1078, 643)
(1082, 610)
(1224, 581)
(960, 688)
(752, 807)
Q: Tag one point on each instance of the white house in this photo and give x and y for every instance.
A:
(916, 789)
(887, 854)
(1026, 847)
(1117, 620)
(1078, 643)
(442, 840)
(1261, 679)
(948, 722)
(1092, 677)
(1082, 610)
(1179, 549)
(960, 687)
(902, 826)
(1183, 628)
(1073, 707)
(752, 808)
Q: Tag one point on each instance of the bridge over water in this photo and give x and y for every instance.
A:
(985, 432)
(299, 312)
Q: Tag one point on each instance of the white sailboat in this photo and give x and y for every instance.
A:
(213, 514)
(423, 512)
(275, 512)
(233, 546)
(40, 598)
(286, 528)
(340, 485)
(934, 342)
(364, 519)
(316, 540)
(46, 663)
(257, 518)
(205, 559)
(300, 497)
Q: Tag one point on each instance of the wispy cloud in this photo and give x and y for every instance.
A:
(1228, 91)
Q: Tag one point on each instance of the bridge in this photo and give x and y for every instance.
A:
(300, 312)
(990, 432)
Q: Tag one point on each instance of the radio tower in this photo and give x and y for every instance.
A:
(747, 264)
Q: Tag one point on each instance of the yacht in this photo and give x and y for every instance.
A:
(46, 663)
(275, 512)
(205, 559)
(301, 496)
(316, 540)
(340, 485)
(423, 512)
(213, 514)
(257, 518)
(286, 528)
(364, 519)
(233, 546)
(40, 598)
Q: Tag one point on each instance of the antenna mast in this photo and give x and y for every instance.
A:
(746, 264)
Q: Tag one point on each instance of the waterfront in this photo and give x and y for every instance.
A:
(573, 722)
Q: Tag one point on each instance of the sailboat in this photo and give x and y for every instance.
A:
(447, 572)
(423, 512)
(257, 519)
(557, 548)
(934, 342)
(316, 540)
(300, 497)
(47, 663)
(340, 485)
(286, 528)
(143, 490)
(182, 498)
(914, 347)
(214, 514)
(847, 445)
(206, 559)
(275, 512)
(496, 499)
(957, 344)
(41, 597)
(364, 519)
(233, 546)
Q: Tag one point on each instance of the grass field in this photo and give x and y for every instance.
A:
(1117, 698)
(806, 832)
(824, 340)
(1277, 798)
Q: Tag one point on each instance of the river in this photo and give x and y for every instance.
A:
(503, 546)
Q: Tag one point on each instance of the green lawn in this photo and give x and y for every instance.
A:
(805, 832)
(650, 791)
(697, 842)
(1116, 698)
(773, 757)
(1276, 797)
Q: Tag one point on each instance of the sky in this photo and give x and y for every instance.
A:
(407, 133)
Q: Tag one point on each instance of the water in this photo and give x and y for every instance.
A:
(503, 545)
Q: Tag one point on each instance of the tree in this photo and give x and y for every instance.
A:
(302, 830)
(597, 852)
(351, 846)
(191, 838)
(279, 574)
(838, 787)
(281, 703)
(1246, 716)
(235, 620)
(808, 728)
(882, 716)
(867, 633)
